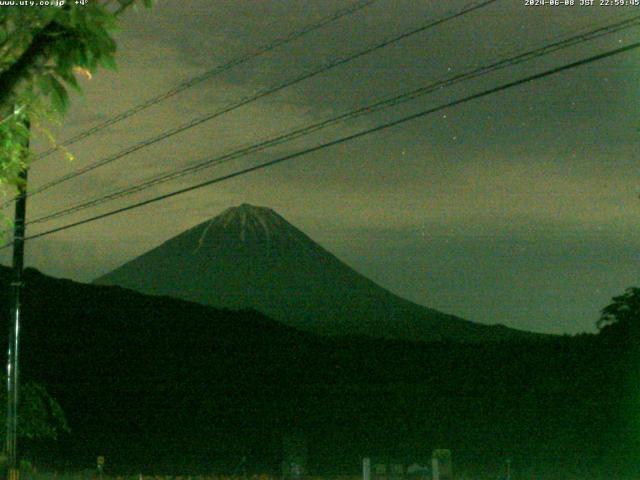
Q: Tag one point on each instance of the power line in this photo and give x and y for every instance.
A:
(341, 140)
(377, 106)
(191, 82)
(197, 121)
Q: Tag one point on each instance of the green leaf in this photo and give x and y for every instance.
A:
(109, 62)
(71, 80)
(48, 14)
(59, 96)
(44, 84)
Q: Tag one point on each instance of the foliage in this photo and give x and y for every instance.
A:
(14, 149)
(40, 415)
(623, 312)
(42, 50)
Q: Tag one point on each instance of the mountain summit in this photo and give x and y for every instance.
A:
(252, 222)
(250, 257)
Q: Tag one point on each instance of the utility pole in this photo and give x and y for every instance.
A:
(14, 327)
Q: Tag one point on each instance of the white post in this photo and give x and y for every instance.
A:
(366, 468)
(435, 468)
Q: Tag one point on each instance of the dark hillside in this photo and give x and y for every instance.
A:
(161, 385)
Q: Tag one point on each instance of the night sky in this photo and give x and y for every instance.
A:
(519, 208)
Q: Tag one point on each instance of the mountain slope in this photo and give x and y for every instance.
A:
(250, 257)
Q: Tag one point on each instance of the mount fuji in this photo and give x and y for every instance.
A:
(250, 257)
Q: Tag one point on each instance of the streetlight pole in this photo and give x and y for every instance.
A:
(14, 325)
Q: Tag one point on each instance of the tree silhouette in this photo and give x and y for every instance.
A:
(42, 50)
(623, 314)
(41, 417)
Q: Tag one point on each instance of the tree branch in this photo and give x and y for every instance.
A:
(18, 71)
